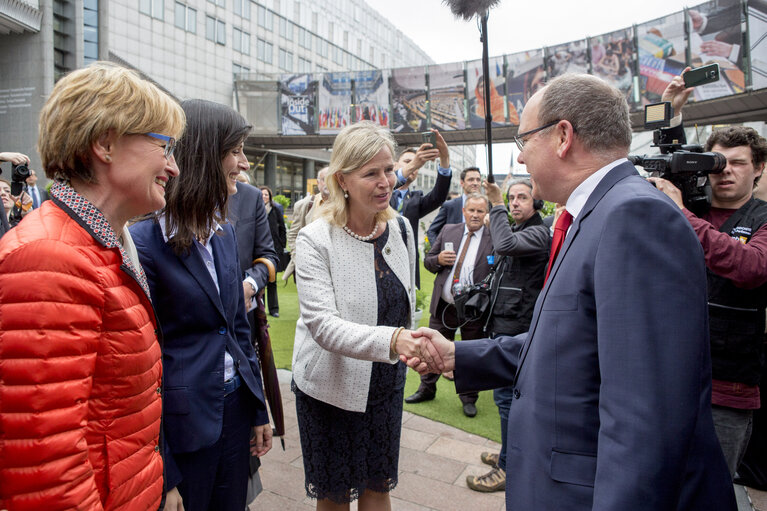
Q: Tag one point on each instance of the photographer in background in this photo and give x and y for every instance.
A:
(16, 212)
(522, 253)
(733, 235)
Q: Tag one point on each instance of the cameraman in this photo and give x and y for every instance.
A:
(522, 254)
(15, 159)
(734, 239)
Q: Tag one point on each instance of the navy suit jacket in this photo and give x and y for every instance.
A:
(246, 212)
(612, 384)
(416, 205)
(451, 212)
(198, 323)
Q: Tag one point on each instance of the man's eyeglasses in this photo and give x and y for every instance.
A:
(170, 143)
(519, 139)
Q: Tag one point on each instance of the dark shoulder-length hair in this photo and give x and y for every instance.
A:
(196, 199)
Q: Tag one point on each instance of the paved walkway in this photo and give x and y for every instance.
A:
(434, 462)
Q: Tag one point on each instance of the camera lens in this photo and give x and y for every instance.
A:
(19, 173)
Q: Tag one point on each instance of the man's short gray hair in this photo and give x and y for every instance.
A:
(477, 195)
(598, 111)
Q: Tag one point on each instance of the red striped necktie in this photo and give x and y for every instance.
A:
(564, 222)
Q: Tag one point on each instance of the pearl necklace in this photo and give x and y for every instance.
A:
(361, 238)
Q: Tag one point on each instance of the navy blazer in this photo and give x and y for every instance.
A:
(246, 212)
(612, 384)
(416, 205)
(198, 323)
(451, 212)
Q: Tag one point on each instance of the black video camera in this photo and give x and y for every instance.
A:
(19, 175)
(685, 165)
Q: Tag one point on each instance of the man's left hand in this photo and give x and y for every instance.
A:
(261, 441)
(669, 189)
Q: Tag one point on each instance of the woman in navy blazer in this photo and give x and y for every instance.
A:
(212, 385)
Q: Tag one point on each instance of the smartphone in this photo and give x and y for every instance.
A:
(701, 75)
(429, 138)
(449, 246)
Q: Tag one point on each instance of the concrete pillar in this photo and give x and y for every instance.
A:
(270, 171)
(308, 174)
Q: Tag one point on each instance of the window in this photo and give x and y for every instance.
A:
(215, 30)
(241, 41)
(153, 8)
(221, 3)
(338, 55)
(238, 69)
(265, 18)
(264, 51)
(304, 38)
(286, 29)
(185, 18)
(242, 8)
(90, 31)
(315, 22)
(286, 60)
(304, 66)
(322, 47)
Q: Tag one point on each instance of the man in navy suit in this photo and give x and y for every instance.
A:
(451, 211)
(612, 384)
(413, 204)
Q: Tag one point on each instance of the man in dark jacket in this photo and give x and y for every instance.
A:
(522, 251)
(413, 204)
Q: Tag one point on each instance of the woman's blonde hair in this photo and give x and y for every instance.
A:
(89, 102)
(354, 146)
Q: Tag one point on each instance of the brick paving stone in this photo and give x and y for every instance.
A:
(443, 496)
(429, 426)
(283, 479)
(428, 465)
(758, 499)
(270, 501)
(458, 450)
(418, 440)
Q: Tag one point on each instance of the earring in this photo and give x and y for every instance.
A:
(346, 194)
(107, 157)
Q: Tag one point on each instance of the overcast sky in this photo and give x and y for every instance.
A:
(515, 26)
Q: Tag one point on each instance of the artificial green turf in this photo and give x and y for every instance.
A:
(445, 408)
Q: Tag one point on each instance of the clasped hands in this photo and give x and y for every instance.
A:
(425, 350)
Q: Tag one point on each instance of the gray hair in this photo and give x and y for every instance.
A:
(477, 195)
(598, 111)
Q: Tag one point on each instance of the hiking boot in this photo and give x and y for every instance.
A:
(495, 480)
(489, 458)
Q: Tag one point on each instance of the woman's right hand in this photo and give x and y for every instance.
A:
(409, 346)
(173, 501)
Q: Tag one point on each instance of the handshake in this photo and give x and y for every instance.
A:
(424, 350)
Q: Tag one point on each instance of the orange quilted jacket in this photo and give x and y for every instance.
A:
(80, 372)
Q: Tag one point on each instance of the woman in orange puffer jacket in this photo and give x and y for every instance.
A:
(80, 362)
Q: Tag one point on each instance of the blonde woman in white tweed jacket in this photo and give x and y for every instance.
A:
(355, 269)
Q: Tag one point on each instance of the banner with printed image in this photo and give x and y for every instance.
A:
(371, 97)
(335, 102)
(447, 94)
(525, 75)
(476, 87)
(298, 94)
(408, 99)
(661, 52)
(612, 59)
(569, 57)
(716, 37)
(757, 31)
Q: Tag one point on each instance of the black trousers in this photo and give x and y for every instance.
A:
(272, 303)
(471, 330)
(216, 478)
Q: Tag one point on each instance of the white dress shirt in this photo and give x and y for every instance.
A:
(467, 269)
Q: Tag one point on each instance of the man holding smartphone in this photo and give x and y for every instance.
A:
(414, 204)
(733, 235)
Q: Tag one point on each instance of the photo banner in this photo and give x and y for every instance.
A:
(371, 97)
(408, 99)
(335, 103)
(570, 57)
(612, 59)
(661, 55)
(298, 94)
(524, 78)
(757, 28)
(447, 93)
(476, 87)
(716, 36)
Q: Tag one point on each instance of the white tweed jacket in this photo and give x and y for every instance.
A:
(336, 335)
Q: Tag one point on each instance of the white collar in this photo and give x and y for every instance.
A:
(581, 194)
